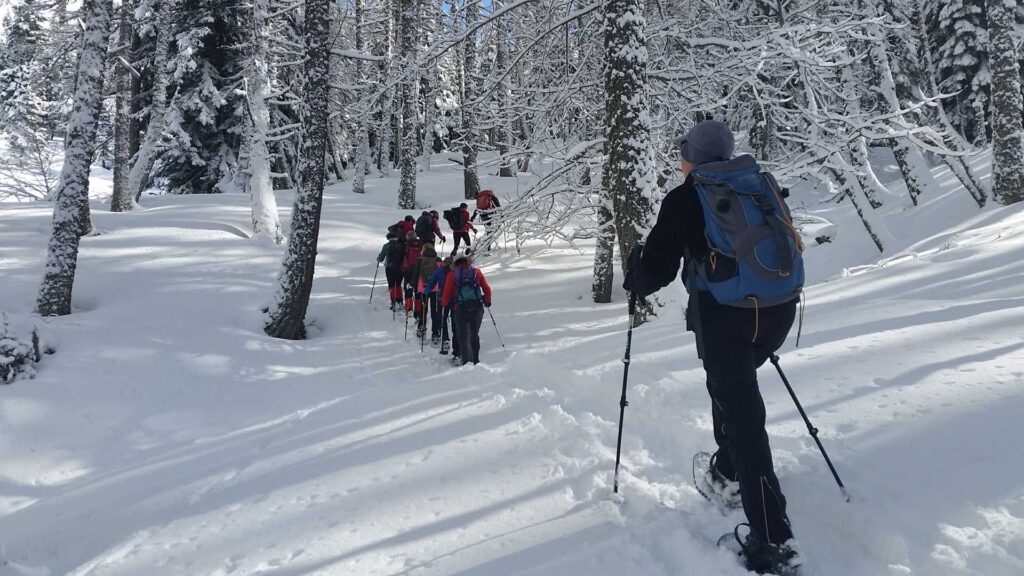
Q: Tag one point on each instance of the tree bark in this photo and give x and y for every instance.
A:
(362, 156)
(122, 200)
(604, 257)
(916, 177)
(265, 218)
(71, 207)
(1007, 104)
(470, 137)
(138, 178)
(504, 127)
(410, 96)
(288, 312)
(628, 176)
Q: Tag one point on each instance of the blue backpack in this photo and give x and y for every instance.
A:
(468, 288)
(756, 255)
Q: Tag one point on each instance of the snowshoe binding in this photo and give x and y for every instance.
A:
(761, 557)
(714, 486)
(445, 347)
(435, 340)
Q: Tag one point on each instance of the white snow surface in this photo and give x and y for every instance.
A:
(169, 435)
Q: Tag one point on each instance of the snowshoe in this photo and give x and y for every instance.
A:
(713, 486)
(445, 348)
(761, 557)
(435, 340)
(421, 332)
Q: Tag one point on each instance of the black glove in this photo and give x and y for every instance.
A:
(633, 267)
(487, 304)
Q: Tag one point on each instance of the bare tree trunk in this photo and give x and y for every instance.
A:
(628, 176)
(410, 96)
(362, 158)
(911, 164)
(265, 218)
(851, 189)
(503, 129)
(288, 312)
(604, 257)
(139, 175)
(122, 200)
(470, 136)
(72, 202)
(1007, 104)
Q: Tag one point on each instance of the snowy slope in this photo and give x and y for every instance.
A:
(168, 435)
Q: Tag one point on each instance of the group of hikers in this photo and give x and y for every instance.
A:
(447, 295)
(729, 226)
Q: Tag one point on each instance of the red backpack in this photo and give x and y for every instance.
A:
(485, 200)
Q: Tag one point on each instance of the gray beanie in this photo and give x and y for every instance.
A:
(708, 141)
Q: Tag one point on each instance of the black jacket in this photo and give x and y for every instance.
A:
(678, 234)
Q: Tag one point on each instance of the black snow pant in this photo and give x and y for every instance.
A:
(435, 315)
(446, 315)
(395, 277)
(463, 236)
(468, 317)
(737, 341)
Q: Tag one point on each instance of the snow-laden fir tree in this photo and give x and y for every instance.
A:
(409, 36)
(287, 313)
(629, 164)
(201, 149)
(72, 201)
(958, 40)
(28, 124)
(1007, 104)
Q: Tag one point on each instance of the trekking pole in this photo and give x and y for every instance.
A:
(810, 427)
(496, 330)
(423, 322)
(625, 378)
(374, 285)
(406, 322)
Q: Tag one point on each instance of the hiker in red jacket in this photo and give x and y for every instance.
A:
(403, 227)
(411, 268)
(467, 292)
(462, 232)
(487, 205)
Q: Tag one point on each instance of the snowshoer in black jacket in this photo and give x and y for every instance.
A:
(392, 255)
(735, 342)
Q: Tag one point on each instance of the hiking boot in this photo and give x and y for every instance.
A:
(445, 348)
(435, 340)
(764, 558)
(421, 332)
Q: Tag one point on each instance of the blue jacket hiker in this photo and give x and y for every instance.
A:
(439, 325)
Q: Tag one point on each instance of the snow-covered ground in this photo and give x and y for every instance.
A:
(169, 435)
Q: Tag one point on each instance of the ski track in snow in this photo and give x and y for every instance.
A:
(168, 435)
